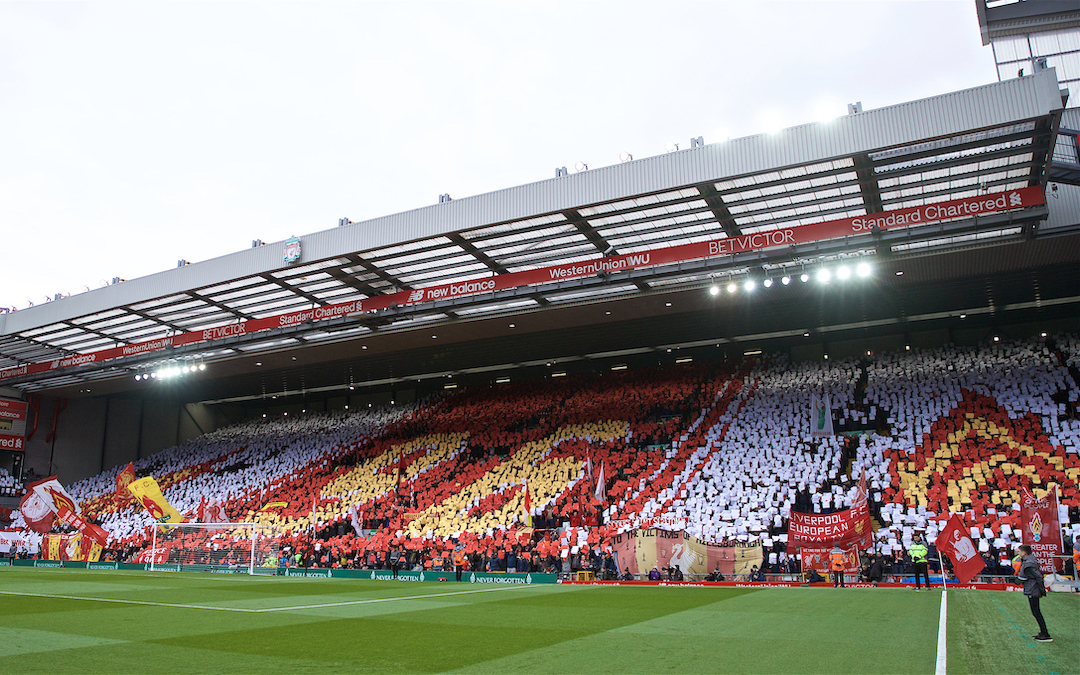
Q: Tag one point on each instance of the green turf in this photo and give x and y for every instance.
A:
(299, 625)
(991, 633)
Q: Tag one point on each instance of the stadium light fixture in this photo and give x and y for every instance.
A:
(714, 290)
(731, 287)
(202, 366)
(749, 285)
(843, 273)
(863, 269)
(767, 283)
(785, 280)
(824, 275)
(804, 277)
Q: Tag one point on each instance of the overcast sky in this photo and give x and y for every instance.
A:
(135, 134)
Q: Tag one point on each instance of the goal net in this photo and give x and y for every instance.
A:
(250, 548)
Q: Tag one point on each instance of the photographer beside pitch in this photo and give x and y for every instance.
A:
(1029, 574)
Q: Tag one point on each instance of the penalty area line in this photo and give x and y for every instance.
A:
(942, 654)
(263, 610)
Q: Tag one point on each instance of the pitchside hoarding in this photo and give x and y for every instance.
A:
(783, 236)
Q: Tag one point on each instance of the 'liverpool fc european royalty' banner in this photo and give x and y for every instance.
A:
(641, 550)
(850, 527)
(1042, 529)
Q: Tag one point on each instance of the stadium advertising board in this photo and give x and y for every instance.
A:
(12, 424)
(783, 236)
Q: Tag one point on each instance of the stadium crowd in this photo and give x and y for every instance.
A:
(541, 475)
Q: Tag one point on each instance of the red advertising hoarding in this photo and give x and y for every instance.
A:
(782, 236)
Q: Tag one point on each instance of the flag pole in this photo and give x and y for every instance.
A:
(941, 564)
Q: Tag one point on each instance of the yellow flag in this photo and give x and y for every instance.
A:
(147, 491)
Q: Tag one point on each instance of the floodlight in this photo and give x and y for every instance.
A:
(749, 284)
(767, 283)
(804, 278)
(824, 275)
(731, 287)
(714, 290)
(843, 272)
(863, 269)
(785, 280)
(202, 366)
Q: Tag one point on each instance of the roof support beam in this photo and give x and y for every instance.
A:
(719, 209)
(583, 226)
(467, 246)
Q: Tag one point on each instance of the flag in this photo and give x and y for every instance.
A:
(600, 491)
(863, 492)
(148, 492)
(528, 504)
(53, 493)
(213, 512)
(354, 519)
(954, 542)
(37, 512)
(123, 479)
(588, 466)
(820, 416)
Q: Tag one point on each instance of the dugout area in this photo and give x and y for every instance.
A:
(90, 621)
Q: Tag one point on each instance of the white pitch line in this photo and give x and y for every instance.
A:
(942, 655)
(128, 602)
(265, 609)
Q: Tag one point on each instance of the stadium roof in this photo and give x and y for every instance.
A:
(980, 142)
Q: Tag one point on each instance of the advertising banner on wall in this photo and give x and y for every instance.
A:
(780, 237)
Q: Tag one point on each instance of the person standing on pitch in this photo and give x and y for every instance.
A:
(1031, 576)
(836, 566)
(459, 563)
(919, 553)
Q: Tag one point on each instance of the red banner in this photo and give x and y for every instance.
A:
(11, 442)
(818, 559)
(783, 236)
(1042, 529)
(851, 527)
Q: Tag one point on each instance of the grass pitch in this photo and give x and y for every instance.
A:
(77, 621)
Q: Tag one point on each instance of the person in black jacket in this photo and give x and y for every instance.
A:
(1031, 576)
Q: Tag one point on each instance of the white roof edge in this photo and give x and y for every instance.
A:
(902, 124)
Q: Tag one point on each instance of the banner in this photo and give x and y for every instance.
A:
(820, 416)
(1042, 529)
(147, 491)
(818, 559)
(12, 541)
(782, 236)
(123, 479)
(70, 547)
(641, 550)
(850, 527)
(954, 542)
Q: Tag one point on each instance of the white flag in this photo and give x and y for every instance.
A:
(820, 416)
(600, 492)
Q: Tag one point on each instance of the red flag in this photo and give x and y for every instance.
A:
(37, 513)
(123, 479)
(954, 542)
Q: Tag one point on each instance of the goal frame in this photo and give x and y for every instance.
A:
(253, 528)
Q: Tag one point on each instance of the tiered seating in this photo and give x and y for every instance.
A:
(723, 452)
(9, 485)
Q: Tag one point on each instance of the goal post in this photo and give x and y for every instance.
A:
(251, 548)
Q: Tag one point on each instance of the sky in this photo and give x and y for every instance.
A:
(136, 134)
